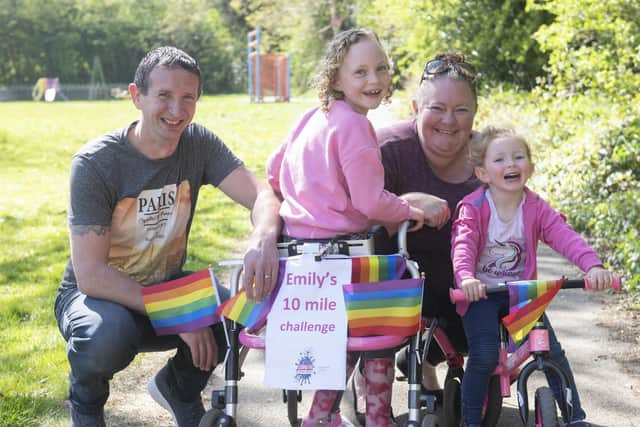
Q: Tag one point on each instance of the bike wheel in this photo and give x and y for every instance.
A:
(216, 418)
(451, 399)
(545, 406)
(493, 403)
(430, 420)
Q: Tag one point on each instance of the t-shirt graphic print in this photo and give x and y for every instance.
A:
(149, 232)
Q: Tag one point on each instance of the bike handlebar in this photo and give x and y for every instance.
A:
(457, 295)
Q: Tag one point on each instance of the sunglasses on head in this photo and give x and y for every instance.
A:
(441, 66)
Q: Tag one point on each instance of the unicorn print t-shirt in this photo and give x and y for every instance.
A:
(503, 256)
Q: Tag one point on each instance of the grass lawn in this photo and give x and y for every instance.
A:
(37, 141)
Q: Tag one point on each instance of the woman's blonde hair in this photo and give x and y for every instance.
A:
(335, 53)
(480, 143)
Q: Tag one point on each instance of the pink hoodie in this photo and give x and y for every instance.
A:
(541, 223)
(329, 174)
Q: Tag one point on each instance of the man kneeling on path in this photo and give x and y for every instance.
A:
(132, 200)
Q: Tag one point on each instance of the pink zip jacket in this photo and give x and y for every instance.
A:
(541, 223)
(330, 177)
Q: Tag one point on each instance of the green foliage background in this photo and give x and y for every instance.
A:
(62, 39)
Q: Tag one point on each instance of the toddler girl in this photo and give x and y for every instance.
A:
(495, 238)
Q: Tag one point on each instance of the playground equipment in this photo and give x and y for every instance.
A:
(49, 88)
(98, 87)
(269, 74)
(46, 88)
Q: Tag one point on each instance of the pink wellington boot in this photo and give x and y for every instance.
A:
(320, 414)
(333, 419)
(378, 374)
(320, 410)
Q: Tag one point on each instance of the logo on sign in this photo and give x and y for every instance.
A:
(305, 368)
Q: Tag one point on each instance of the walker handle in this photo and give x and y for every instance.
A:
(402, 237)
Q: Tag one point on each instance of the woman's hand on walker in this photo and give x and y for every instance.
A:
(436, 210)
(599, 278)
(416, 215)
(473, 289)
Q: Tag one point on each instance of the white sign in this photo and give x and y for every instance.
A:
(306, 337)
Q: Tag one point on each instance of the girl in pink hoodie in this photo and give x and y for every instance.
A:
(330, 178)
(495, 238)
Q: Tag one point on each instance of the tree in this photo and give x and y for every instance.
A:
(592, 46)
(496, 35)
(62, 39)
(34, 40)
(204, 35)
(119, 33)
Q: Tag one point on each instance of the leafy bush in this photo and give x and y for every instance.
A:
(592, 46)
(615, 183)
(494, 34)
(589, 167)
(586, 151)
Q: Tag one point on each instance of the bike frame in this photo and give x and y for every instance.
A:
(537, 347)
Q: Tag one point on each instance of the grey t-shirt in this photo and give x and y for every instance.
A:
(148, 204)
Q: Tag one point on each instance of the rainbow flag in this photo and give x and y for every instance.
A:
(249, 314)
(528, 299)
(377, 268)
(183, 304)
(390, 307)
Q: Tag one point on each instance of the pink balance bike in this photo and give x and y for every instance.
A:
(509, 369)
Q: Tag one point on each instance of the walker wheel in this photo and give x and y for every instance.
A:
(291, 398)
(216, 418)
(451, 402)
(430, 420)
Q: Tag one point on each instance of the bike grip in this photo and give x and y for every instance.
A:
(617, 283)
(456, 295)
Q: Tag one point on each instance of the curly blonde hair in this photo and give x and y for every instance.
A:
(335, 53)
(480, 143)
